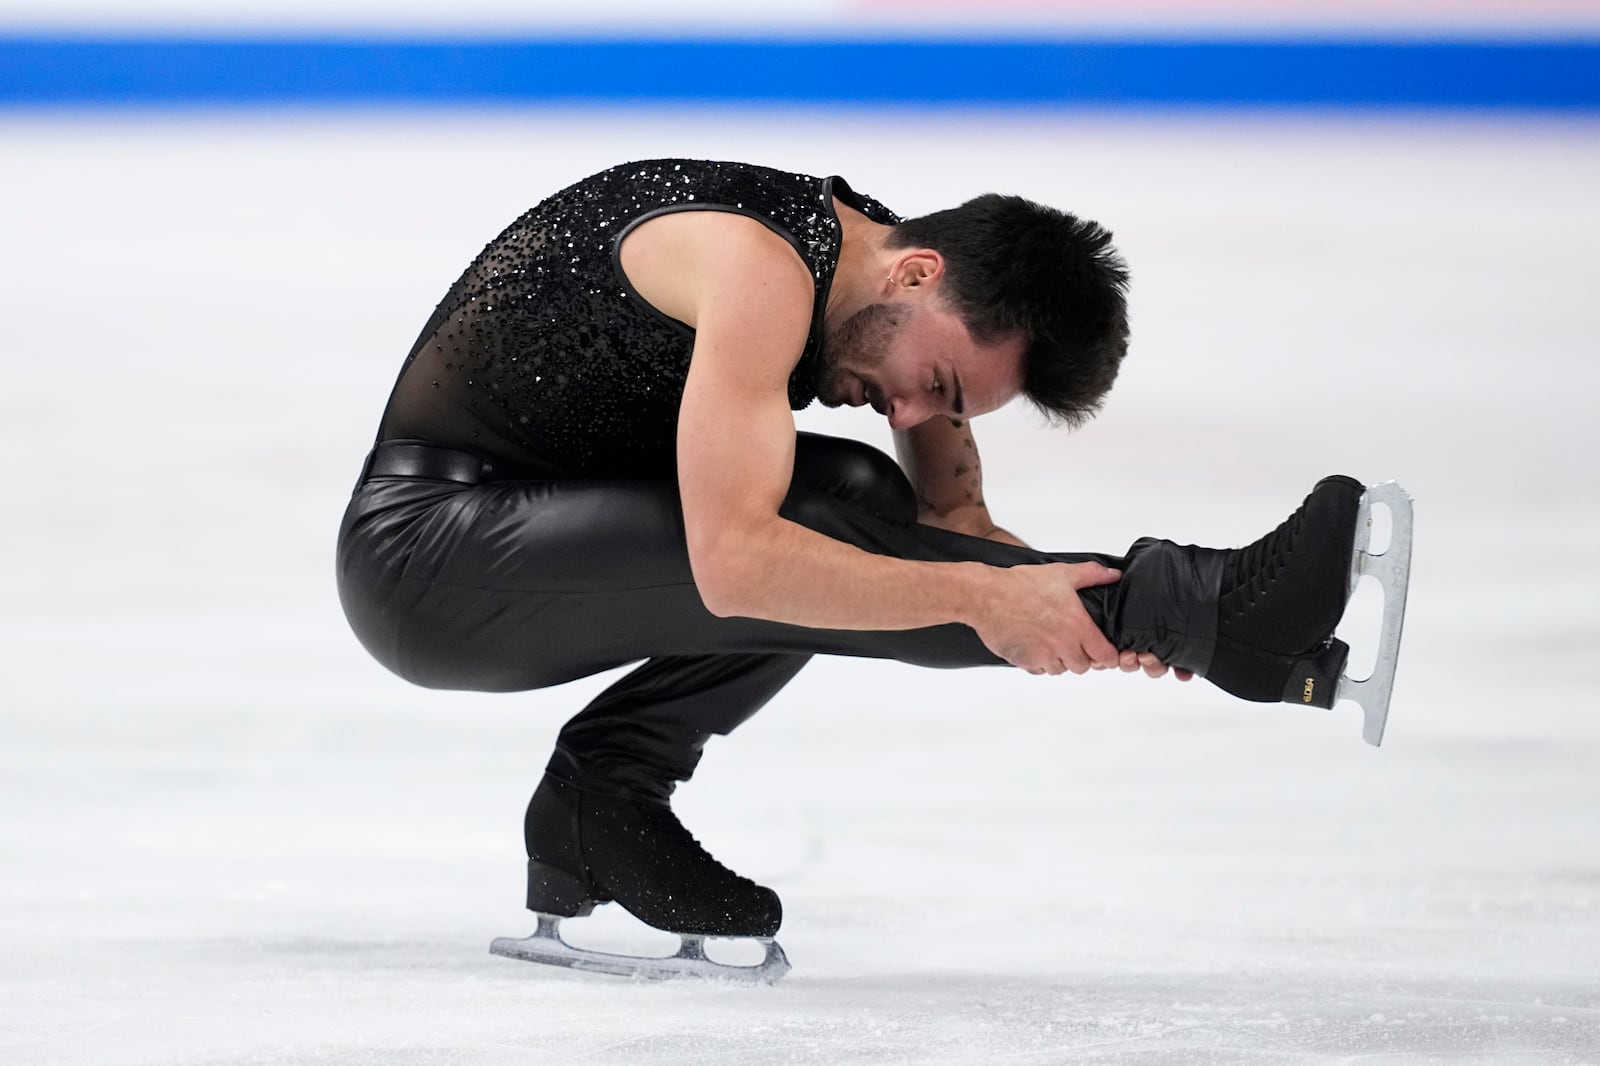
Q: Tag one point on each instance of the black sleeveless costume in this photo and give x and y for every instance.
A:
(544, 359)
(519, 525)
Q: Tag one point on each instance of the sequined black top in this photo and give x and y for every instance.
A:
(543, 358)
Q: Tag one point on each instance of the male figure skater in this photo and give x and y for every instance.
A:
(590, 459)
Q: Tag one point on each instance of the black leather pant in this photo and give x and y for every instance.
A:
(515, 585)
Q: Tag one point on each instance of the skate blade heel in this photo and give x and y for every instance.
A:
(551, 890)
(1392, 569)
(546, 946)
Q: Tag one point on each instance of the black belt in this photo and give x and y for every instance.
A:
(409, 458)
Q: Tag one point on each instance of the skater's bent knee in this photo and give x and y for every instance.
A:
(854, 473)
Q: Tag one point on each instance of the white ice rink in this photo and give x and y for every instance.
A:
(228, 837)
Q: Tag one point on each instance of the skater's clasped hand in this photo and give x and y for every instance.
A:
(1036, 622)
(1132, 662)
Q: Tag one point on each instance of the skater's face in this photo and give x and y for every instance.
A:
(911, 359)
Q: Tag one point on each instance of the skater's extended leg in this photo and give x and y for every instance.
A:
(517, 585)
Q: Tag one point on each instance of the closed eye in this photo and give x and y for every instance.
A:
(938, 389)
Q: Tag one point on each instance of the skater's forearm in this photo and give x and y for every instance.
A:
(1030, 616)
(783, 572)
(940, 456)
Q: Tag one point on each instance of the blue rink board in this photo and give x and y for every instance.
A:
(209, 72)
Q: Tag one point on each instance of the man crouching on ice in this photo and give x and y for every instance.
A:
(590, 459)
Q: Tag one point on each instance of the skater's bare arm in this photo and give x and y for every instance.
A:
(749, 298)
(940, 456)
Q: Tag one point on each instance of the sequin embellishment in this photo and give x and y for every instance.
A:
(540, 356)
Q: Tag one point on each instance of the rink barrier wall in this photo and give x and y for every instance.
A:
(1539, 75)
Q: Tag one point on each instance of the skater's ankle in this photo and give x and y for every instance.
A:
(1166, 603)
(615, 779)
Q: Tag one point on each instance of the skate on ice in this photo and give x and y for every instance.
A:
(589, 848)
(546, 946)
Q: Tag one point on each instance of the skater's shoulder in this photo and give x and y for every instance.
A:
(686, 264)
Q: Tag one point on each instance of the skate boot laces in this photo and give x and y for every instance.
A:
(1252, 573)
(1285, 593)
(671, 831)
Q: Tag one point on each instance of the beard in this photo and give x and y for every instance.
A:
(857, 346)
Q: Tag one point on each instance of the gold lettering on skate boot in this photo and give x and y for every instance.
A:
(1311, 684)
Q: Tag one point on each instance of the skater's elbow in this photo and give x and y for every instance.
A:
(722, 606)
(726, 592)
(721, 569)
(745, 568)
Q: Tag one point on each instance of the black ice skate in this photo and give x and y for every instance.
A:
(1281, 598)
(1258, 621)
(587, 848)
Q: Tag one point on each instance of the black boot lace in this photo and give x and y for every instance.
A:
(672, 833)
(1254, 569)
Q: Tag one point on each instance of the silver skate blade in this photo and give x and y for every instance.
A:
(546, 946)
(1392, 568)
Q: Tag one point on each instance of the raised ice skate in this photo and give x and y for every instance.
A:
(1283, 590)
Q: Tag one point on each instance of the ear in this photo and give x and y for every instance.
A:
(918, 266)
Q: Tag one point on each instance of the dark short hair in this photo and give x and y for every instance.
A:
(1014, 266)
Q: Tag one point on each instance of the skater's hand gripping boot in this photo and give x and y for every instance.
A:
(1034, 618)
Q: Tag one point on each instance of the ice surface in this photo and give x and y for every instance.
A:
(231, 838)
